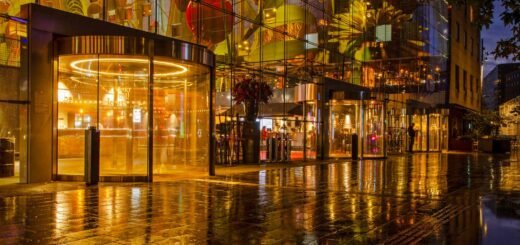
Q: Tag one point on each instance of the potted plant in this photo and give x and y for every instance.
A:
(250, 93)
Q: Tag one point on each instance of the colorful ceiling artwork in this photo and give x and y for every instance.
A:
(367, 33)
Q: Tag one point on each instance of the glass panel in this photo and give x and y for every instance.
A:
(343, 124)
(373, 129)
(137, 14)
(13, 93)
(13, 142)
(444, 132)
(123, 111)
(396, 139)
(434, 132)
(420, 128)
(171, 19)
(311, 129)
(77, 98)
(181, 117)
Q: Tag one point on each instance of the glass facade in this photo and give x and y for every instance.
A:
(396, 49)
(13, 103)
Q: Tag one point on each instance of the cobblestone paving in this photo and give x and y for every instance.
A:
(421, 198)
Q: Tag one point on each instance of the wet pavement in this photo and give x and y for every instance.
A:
(420, 198)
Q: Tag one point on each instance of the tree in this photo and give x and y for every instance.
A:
(507, 47)
(485, 123)
(510, 47)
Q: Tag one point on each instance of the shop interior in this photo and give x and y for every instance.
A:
(112, 93)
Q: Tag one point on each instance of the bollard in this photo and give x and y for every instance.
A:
(91, 156)
(6, 157)
(354, 147)
(272, 146)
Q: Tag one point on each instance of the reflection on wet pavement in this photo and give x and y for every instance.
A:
(427, 198)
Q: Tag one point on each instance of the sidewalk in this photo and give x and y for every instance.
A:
(17, 189)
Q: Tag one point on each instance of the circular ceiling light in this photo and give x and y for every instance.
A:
(83, 66)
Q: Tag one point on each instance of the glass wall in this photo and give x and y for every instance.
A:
(77, 110)
(123, 110)
(181, 118)
(13, 100)
(344, 122)
(112, 93)
(397, 125)
(392, 47)
(421, 128)
(373, 129)
(434, 132)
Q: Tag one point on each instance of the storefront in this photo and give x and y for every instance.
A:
(147, 108)
(149, 96)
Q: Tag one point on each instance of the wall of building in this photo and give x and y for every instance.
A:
(465, 63)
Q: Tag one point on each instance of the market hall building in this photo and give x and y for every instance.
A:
(155, 78)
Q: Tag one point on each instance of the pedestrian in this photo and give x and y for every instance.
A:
(411, 134)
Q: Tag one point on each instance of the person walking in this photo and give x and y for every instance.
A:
(411, 134)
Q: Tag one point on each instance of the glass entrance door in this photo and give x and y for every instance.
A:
(343, 121)
(123, 110)
(180, 118)
(110, 93)
(77, 98)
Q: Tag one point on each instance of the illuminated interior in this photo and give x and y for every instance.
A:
(113, 93)
(344, 118)
(373, 129)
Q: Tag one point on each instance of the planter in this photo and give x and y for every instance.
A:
(251, 147)
(494, 145)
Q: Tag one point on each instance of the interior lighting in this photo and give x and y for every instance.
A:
(79, 67)
(63, 92)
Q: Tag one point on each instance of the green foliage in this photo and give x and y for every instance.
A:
(485, 123)
(510, 47)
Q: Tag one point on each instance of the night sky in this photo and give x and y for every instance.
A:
(496, 31)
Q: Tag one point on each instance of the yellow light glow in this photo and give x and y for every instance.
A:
(64, 93)
(76, 65)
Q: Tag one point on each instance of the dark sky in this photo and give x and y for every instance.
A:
(490, 36)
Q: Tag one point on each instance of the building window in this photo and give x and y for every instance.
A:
(471, 14)
(472, 45)
(471, 83)
(465, 39)
(464, 77)
(457, 30)
(457, 76)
